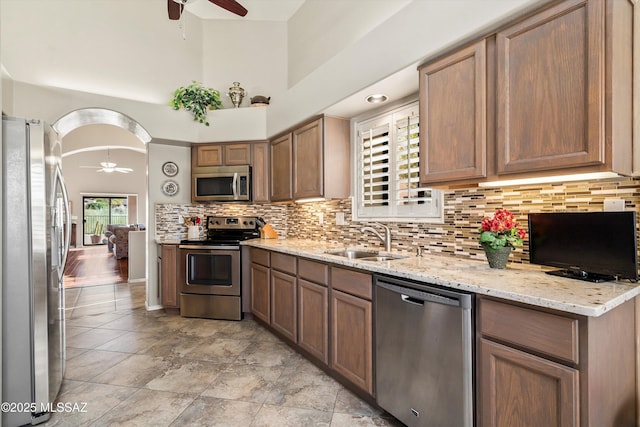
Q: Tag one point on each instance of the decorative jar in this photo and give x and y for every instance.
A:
(236, 93)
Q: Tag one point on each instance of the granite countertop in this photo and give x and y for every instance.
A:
(522, 284)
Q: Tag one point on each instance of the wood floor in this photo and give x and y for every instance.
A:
(94, 265)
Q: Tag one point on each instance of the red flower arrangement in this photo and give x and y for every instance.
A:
(501, 230)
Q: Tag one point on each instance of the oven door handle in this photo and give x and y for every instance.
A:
(207, 247)
(234, 186)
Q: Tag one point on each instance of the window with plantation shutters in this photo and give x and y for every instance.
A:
(387, 156)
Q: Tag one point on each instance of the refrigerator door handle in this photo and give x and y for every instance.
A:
(63, 247)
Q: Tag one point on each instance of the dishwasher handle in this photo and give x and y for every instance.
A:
(419, 297)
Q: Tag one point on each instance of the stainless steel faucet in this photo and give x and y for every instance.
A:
(386, 239)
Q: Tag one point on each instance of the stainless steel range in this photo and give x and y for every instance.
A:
(209, 271)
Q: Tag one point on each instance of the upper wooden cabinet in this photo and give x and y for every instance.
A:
(221, 154)
(550, 94)
(237, 154)
(260, 172)
(281, 171)
(453, 112)
(551, 89)
(311, 161)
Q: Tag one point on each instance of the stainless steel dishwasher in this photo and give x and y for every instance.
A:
(424, 353)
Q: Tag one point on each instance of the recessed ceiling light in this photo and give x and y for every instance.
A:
(378, 98)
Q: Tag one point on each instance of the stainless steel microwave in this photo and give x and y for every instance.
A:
(221, 184)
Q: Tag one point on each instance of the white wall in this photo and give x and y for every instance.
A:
(125, 49)
(322, 28)
(253, 53)
(157, 155)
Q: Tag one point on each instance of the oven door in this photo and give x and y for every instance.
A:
(209, 271)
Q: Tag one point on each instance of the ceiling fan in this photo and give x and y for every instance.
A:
(108, 166)
(175, 7)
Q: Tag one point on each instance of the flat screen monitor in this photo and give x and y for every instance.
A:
(594, 246)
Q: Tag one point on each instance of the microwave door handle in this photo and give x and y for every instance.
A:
(235, 186)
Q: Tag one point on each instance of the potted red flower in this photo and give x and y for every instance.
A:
(499, 235)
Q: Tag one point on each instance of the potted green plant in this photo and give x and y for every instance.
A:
(499, 235)
(197, 99)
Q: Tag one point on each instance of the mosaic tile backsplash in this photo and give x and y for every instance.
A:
(456, 236)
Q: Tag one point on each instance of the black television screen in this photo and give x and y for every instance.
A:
(594, 246)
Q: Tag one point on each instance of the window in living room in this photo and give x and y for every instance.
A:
(97, 213)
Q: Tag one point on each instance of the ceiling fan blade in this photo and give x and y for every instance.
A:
(230, 5)
(124, 170)
(174, 9)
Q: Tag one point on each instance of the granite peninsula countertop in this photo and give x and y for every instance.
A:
(530, 286)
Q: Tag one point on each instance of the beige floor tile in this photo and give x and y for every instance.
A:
(305, 386)
(99, 399)
(91, 363)
(355, 420)
(218, 350)
(93, 321)
(186, 376)
(134, 371)
(266, 353)
(132, 342)
(209, 411)
(146, 408)
(349, 403)
(92, 338)
(244, 382)
(283, 416)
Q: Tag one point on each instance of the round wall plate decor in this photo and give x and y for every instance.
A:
(170, 188)
(170, 169)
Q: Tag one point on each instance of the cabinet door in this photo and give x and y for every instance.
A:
(260, 292)
(519, 389)
(237, 154)
(308, 162)
(283, 304)
(281, 170)
(260, 172)
(208, 155)
(351, 339)
(550, 97)
(313, 309)
(169, 287)
(453, 117)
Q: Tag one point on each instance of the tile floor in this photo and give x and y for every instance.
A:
(139, 368)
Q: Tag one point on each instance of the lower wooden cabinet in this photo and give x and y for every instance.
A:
(260, 292)
(313, 318)
(168, 274)
(520, 389)
(352, 339)
(284, 304)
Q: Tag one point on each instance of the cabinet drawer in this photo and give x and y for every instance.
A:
(282, 262)
(313, 271)
(352, 282)
(260, 256)
(547, 333)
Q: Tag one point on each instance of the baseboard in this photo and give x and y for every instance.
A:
(136, 280)
(153, 307)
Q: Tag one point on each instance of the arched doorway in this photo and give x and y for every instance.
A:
(87, 132)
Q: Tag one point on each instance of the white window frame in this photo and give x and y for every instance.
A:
(431, 207)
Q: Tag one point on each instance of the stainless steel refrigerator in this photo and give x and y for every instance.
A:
(36, 231)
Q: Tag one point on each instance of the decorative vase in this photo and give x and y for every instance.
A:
(497, 257)
(236, 93)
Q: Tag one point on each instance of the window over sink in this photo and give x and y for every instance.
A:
(387, 164)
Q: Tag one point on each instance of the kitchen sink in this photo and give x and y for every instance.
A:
(383, 258)
(365, 254)
(354, 253)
